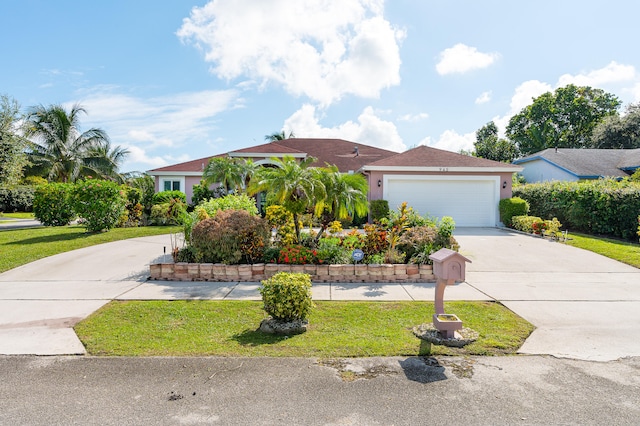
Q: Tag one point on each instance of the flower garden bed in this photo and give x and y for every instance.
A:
(372, 273)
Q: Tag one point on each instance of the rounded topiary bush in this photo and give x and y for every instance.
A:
(232, 236)
(287, 296)
(53, 204)
(510, 207)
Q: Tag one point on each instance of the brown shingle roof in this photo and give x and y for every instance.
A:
(426, 156)
(346, 155)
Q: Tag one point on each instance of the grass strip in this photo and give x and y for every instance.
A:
(21, 246)
(622, 251)
(336, 329)
(17, 215)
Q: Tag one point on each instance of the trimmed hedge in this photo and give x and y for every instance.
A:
(510, 207)
(17, 199)
(606, 206)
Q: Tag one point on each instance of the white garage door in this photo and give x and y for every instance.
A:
(470, 200)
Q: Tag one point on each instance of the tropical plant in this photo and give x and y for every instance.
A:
(345, 196)
(12, 157)
(294, 185)
(278, 136)
(228, 172)
(58, 149)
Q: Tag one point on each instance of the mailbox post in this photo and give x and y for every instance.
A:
(448, 267)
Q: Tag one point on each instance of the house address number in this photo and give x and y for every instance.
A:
(444, 169)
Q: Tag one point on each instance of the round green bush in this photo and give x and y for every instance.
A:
(510, 207)
(53, 204)
(100, 203)
(287, 296)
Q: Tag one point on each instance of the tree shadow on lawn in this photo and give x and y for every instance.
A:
(257, 338)
(52, 238)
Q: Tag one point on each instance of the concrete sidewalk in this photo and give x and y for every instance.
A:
(567, 293)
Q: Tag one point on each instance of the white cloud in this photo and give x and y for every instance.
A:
(369, 129)
(145, 126)
(483, 98)
(413, 118)
(462, 58)
(317, 48)
(450, 140)
(612, 73)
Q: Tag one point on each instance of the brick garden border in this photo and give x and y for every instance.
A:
(402, 273)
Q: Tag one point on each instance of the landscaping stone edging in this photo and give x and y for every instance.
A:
(218, 272)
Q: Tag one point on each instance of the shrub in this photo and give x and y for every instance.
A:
(379, 209)
(171, 213)
(232, 236)
(510, 207)
(100, 203)
(604, 206)
(375, 240)
(282, 220)
(201, 192)
(17, 198)
(297, 255)
(163, 197)
(230, 202)
(52, 204)
(132, 214)
(331, 251)
(420, 242)
(287, 296)
(525, 223)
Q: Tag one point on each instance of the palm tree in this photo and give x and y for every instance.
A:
(294, 185)
(106, 162)
(278, 136)
(227, 171)
(58, 149)
(346, 195)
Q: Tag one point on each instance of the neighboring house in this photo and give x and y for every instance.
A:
(578, 164)
(432, 181)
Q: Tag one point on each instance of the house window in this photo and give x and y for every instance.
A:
(172, 185)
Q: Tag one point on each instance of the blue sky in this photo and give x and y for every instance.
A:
(184, 79)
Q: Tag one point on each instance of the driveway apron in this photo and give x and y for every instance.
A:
(584, 305)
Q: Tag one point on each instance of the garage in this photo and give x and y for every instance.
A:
(470, 200)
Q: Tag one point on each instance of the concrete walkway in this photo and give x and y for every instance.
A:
(583, 305)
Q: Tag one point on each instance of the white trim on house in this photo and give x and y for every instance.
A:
(512, 169)
(181, 179)
(171, 173)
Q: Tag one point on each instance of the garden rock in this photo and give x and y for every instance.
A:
(286, 328)
(430, 333)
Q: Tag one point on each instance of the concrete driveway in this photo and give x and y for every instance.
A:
(585, 306)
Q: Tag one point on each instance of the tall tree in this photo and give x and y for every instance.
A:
(294, 185)
(619, 132)
(565, 118)
(488, 145)
(12, 145)
(345, 196)
(59, 150)
(278, 136)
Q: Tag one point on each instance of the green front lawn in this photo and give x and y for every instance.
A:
(21, 246)
(336, 329)
(19, 215)
(622, 251)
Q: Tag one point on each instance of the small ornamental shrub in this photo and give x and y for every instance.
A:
(510, 207)
(132, 214)
(171, 213)
(52, 204)
(379, 209)
(282, 221)
(375, 240)
(230, 202)
(298, 255)
(17, 198)
(232, 236)
(201, 192)
(163, 197)
(330, 251)
(287, 296)
(525, 223)
(335, 227)
(100, 203)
